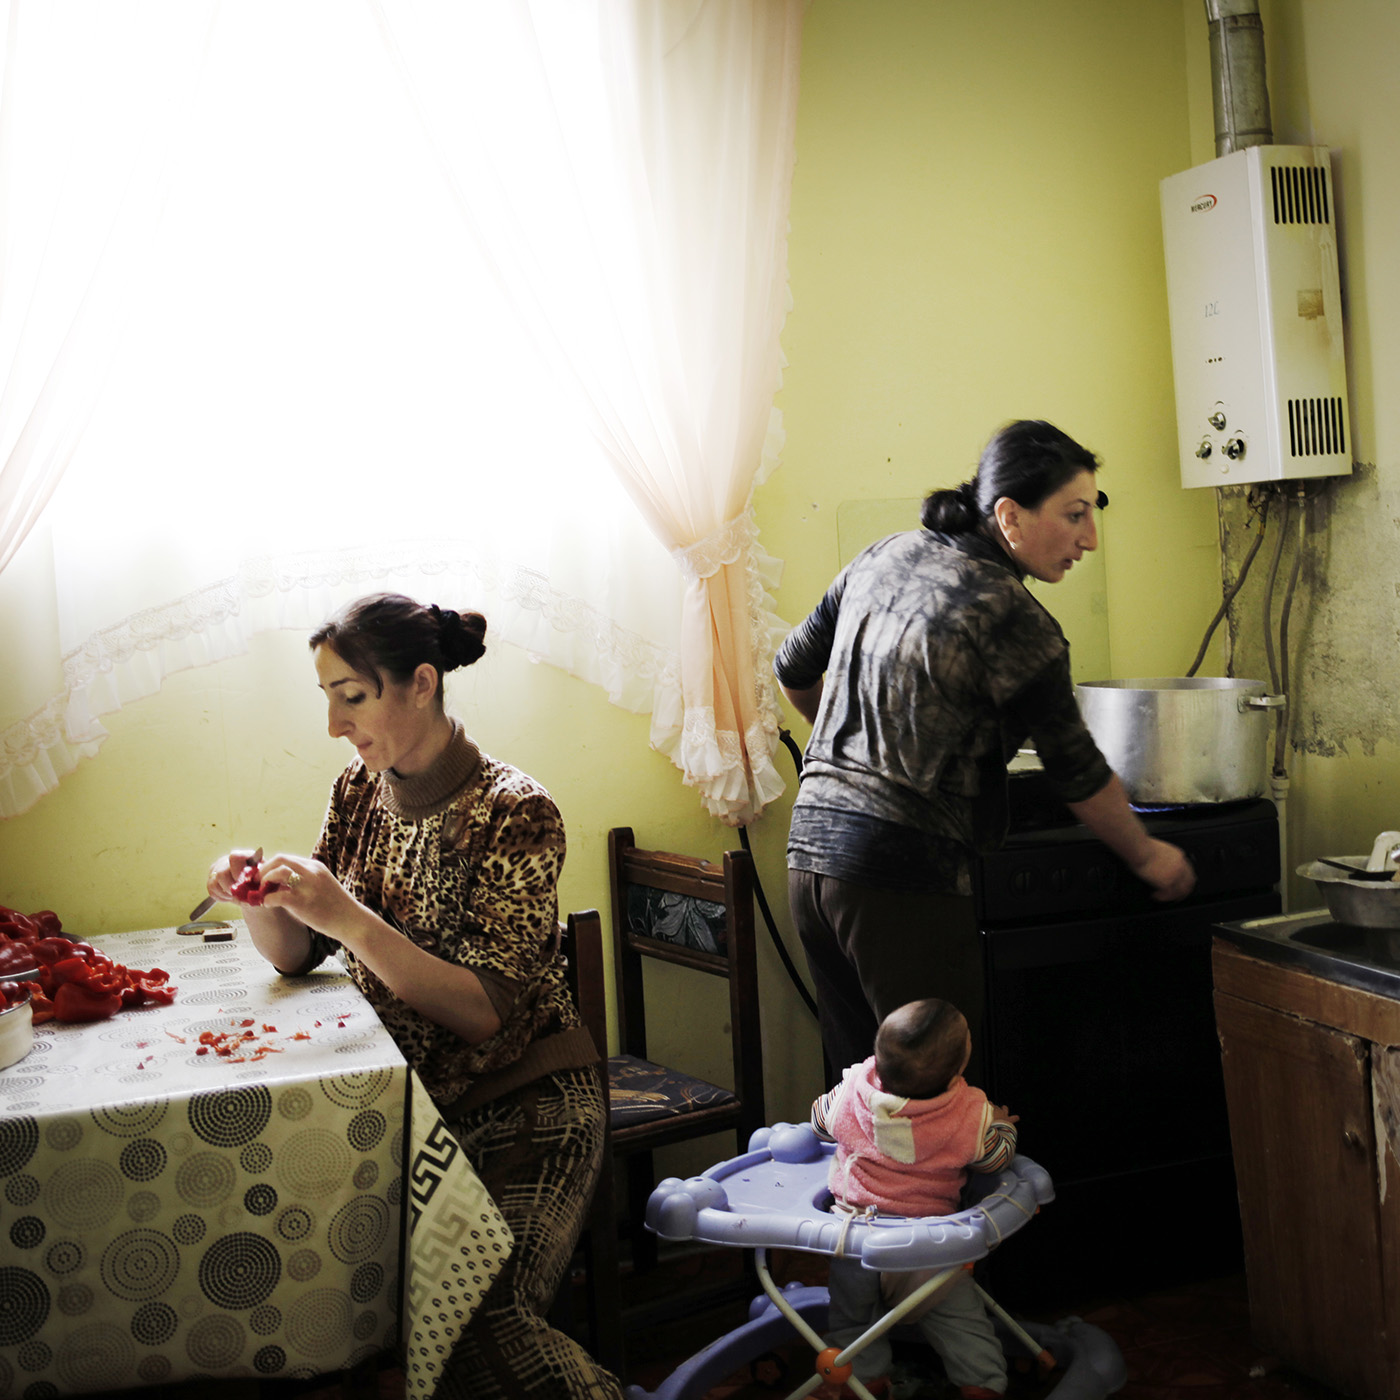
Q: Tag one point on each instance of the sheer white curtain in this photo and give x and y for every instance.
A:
(665, 322)
(350, 372)
(78, 201)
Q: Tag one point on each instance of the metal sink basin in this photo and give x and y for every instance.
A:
(1366, 958)
(1377, 945)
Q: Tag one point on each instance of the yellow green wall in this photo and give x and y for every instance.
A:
(974, 237)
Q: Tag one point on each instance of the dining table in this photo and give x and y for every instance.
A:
(248, 1182)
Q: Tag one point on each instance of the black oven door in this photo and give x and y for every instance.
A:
(1100, 1034)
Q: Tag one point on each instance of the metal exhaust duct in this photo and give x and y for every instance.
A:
(1238, 91)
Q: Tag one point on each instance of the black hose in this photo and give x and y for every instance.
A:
(1281, 733)
(1269, 600)
(763, 898)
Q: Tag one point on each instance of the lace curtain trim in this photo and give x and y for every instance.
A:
(128, 659)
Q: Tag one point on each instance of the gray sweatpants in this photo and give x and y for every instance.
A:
(956, 1326)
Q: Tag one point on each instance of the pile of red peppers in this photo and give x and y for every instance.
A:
(76, 981)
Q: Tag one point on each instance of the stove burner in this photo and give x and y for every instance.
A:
(1190, 809)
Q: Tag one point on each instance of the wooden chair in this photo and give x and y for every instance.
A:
(699, 916)
(582, 945)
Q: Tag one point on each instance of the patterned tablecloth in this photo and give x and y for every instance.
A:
(287, 1209)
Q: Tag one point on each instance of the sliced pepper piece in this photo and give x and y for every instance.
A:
(76, 1001)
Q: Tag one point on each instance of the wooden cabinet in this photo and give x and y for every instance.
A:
(1311, 1084)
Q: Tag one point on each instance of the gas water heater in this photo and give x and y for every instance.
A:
(1254, 299)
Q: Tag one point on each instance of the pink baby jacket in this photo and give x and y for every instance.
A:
(905, 1156)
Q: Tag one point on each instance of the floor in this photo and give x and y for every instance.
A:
(1185, 1343)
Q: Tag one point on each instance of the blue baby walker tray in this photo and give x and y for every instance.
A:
(776, 1196)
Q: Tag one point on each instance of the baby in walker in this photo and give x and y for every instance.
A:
(908, 1128)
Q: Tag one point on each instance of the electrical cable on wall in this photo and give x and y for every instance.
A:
(1276, 655)
(1234, 589)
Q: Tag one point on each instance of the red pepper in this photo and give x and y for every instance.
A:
(41, 1008)
(14, 957)
(143, 987)
(100, 986)
(13, 993)
(77, 1001)
(87, 974)
(52, 950)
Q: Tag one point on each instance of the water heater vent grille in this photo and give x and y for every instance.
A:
(1315, 427)
(1300, 194)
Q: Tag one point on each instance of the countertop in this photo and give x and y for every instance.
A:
(1365, 958)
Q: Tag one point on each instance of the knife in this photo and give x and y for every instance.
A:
(205, 905)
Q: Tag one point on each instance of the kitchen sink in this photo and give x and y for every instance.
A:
(1366, 958)
(1379, 945)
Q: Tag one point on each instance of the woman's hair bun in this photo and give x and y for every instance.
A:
(951, 510)
(462, 636)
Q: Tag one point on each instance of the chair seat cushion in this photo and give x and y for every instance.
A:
(643, 1092)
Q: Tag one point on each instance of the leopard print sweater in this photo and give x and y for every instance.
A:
(472, 878)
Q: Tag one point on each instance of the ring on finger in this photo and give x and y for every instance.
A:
(293, 880)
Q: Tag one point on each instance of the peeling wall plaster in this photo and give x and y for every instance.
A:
(1344, 624)
(1385, 1101)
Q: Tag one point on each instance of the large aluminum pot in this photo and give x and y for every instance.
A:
(1177, 739)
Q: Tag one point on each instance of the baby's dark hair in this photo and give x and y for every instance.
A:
(919, 1048)
(391, 634)
(1025, 461)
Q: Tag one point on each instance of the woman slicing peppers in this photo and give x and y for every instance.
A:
(435, 876)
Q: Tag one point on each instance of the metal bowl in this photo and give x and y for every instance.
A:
(1361, 903)
(16, 1033)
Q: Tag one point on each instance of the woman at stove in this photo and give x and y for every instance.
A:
(922, 671)
(435, 877)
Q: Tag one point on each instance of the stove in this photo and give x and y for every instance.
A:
(1100, 1033)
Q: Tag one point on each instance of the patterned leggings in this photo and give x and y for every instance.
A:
(538, 1152)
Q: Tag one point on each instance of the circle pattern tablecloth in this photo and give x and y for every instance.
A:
(168, 1211)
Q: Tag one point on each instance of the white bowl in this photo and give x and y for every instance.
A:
(16, 1033)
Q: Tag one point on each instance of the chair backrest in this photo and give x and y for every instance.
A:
(698, 915)
(582, 939)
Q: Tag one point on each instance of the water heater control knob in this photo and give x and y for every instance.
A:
(1234, 449)
(1204, 450)
(1217, 420)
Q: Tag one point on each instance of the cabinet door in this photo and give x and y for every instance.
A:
(1299, 1096)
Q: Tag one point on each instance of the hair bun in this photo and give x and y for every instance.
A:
(462, 636)
(951, 510)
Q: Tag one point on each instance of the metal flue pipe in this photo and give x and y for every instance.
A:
(1238, 90)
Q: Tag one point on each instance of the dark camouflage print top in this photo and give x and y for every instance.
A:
(464, 860)
(938, 664)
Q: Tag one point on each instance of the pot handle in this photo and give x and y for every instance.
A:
(1262, 702)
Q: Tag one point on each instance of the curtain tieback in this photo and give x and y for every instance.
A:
(706, 557)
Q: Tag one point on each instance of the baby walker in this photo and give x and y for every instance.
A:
(776, 1196)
